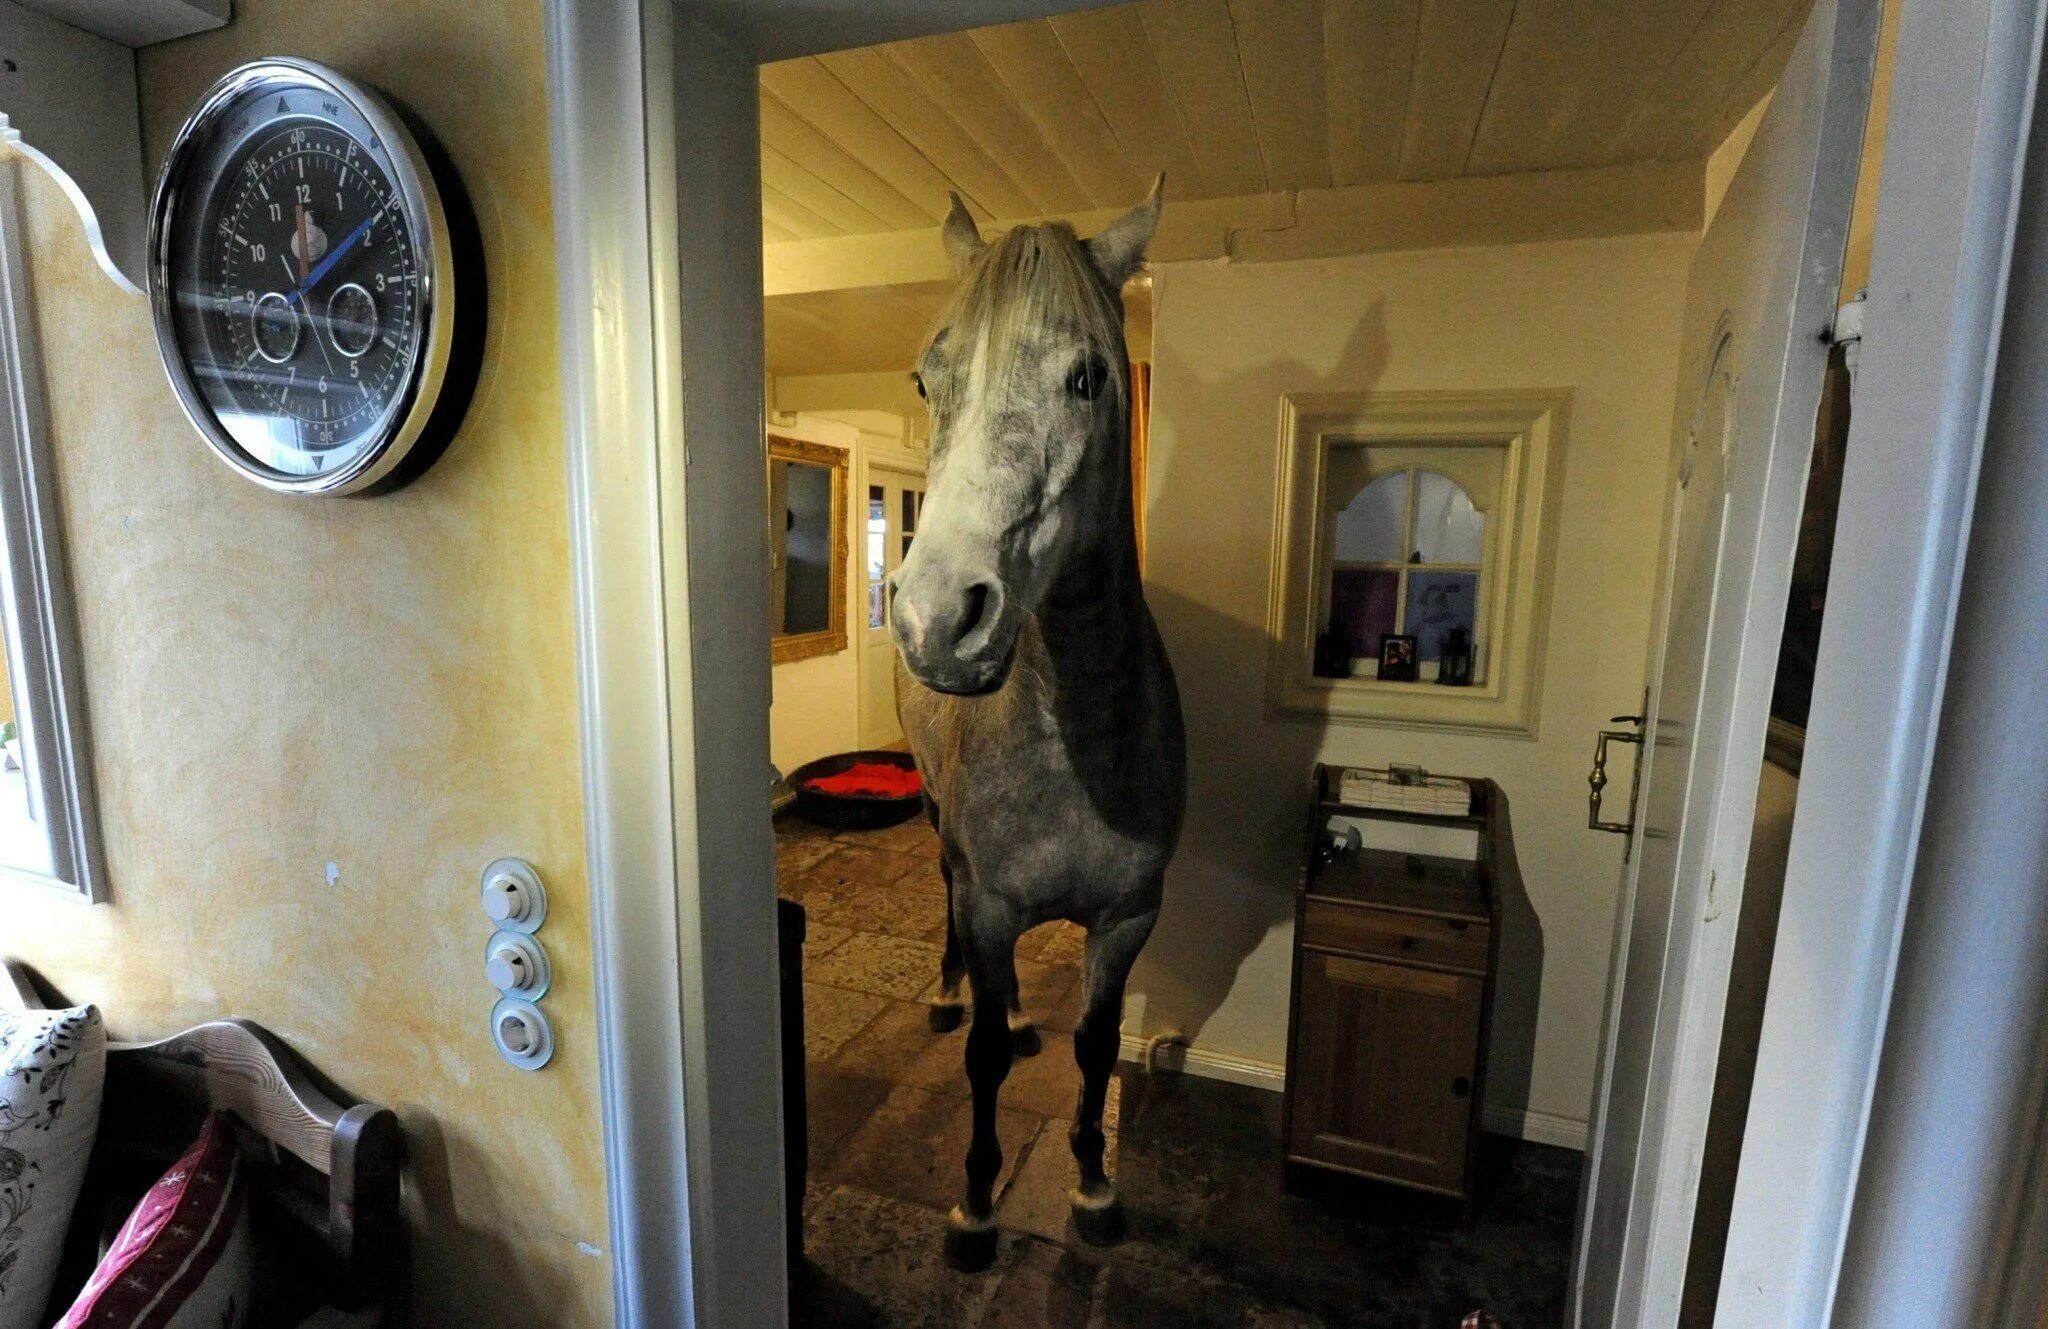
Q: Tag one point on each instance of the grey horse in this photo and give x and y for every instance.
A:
(1034, 688)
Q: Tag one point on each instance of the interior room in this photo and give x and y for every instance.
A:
(1422, 241)
(1392, 644)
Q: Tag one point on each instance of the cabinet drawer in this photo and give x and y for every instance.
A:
(1385, 934)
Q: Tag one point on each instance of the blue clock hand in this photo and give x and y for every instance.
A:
(334, 256)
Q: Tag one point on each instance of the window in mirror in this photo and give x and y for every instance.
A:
(877, 556)
(1407, 554)
(807, 548)
(1422, 515)
(49, 832)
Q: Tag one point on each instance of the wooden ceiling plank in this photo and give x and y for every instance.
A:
(1034, 67)
(813, 92)
(1626, 58)
(774, 234)
(1528, 103)
(1280, 48)
(1729, 40)
(805, 144)
(1196, 48)
(1109, 50)
(1705, 132)
(1457, 49)
(954, 74)
(845, 215)
(1368, 59)
(792, 216)
(877, 79)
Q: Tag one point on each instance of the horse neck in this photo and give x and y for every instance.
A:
(1093, 616)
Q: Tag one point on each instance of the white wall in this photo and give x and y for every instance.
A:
(814, 707)
(1600, 317)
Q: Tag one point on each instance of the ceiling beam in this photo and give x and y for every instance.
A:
(1308, 223)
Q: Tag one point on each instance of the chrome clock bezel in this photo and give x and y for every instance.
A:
(428, 231)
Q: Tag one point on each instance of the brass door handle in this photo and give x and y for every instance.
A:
(1598, 779)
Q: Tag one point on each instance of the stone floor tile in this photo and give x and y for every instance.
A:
(869, 962)
(896, 912)
(822, 938)
(833, 1015)
(876, 1263)
(839, 1102)
(913, 1145)
(858, 867)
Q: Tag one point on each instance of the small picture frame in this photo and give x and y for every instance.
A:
(1397, 658)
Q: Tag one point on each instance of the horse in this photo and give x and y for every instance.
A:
(1032, 683)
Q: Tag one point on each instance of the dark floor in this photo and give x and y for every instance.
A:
(1213, 1239)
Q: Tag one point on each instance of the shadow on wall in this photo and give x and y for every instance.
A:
(1249, 767)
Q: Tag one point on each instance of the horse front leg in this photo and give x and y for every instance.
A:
(949, 1007)
(1112, 950)
(990, 945)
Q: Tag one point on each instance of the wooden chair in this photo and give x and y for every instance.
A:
(325, 1182)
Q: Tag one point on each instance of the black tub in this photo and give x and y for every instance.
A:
(852, 812)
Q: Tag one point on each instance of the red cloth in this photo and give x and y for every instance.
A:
(869, 779)
(182, 1259)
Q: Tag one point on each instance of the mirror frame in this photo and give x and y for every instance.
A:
(830, 640)
(42, 650)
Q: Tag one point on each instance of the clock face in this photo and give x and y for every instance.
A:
(300, 274)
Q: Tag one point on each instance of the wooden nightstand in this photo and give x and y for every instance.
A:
(1394, 962)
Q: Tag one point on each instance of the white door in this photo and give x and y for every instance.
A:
(1761, 293)
(888, 523)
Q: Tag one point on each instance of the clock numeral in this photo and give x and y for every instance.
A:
(304, 193)
(276, 212)
(257, 253)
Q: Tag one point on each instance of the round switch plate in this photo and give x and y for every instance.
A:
(522, 1034)
(516, 965)
(513, 897)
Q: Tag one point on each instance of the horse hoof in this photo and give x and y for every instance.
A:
(1024, 1041)
(1100, 1224)
(945, 1017)
(970, 1248)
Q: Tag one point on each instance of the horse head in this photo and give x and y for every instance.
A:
(1028, 386)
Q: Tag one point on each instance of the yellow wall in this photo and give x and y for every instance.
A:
(1600, 317)
(387, 685)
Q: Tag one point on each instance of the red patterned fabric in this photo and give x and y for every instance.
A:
(182, 1259)
(876, 779)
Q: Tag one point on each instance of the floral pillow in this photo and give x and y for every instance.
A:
(53, 1065)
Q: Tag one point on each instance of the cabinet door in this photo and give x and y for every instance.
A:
(1383, 1069)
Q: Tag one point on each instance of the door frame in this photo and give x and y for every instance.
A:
(1940, 265)
(903, 462)
(649, 104)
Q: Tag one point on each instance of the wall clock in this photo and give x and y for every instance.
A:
(315, 281)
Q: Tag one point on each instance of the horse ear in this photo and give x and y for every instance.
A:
(1120, 248)
(963, 237)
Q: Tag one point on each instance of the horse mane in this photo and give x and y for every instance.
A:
(1028, 280)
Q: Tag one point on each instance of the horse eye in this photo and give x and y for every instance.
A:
(918, 379)
(1088, 378)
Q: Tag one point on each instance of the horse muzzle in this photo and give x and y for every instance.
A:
(956, 629)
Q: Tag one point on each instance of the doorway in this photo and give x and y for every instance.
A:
(894, 497)
(709, 93)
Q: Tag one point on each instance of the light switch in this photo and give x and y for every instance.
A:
(513, 897)
(516, 965)
(523, 1035)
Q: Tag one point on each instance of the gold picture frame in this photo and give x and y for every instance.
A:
(830, 640)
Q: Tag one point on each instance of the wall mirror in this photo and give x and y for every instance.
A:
(807, 548)
(49, 833)
(1411, 576)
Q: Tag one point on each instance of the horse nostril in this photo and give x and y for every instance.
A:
(974, 604)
